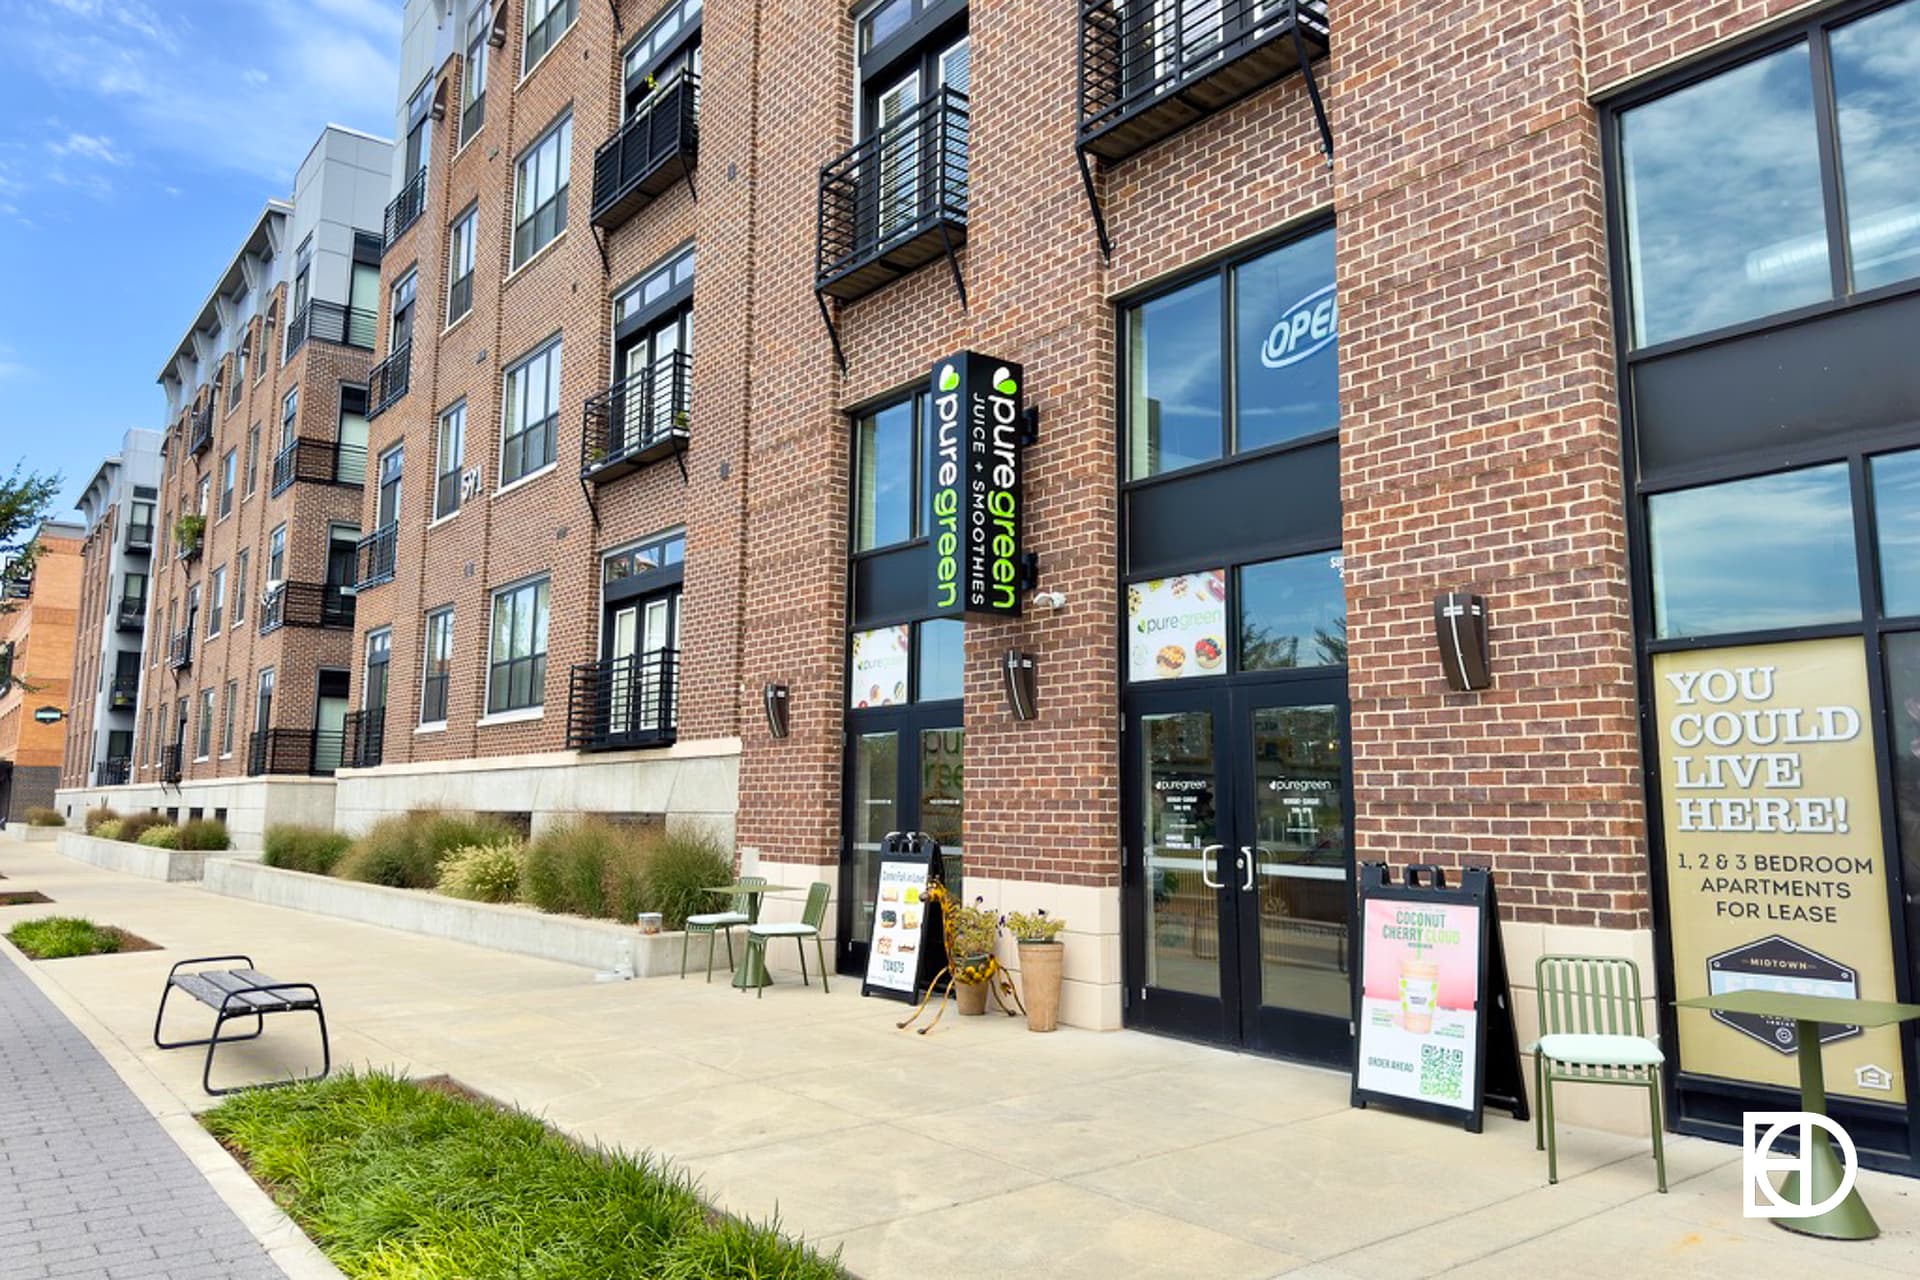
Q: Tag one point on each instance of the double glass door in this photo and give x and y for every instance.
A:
(643, 643)
(904, 774)
(1239, 866)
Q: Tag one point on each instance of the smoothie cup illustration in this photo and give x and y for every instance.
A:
(1419, 992)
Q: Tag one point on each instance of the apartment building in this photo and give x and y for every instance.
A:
(250, 614)
(37, 667)
(120, 508)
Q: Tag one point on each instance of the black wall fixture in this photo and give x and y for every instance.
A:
(1460, 627)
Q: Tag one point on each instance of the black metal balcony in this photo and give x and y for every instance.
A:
(319, 462)
(624, 703)
(404, 209)
(331, 322)
(12, 588)
(388, 382)
(305, 604)
(123, 692)
(637, 421)
(180, 650)
(114, 771)
(140, 537)
(1149, 70)
(654, 149)
(132, 614)
(377, 554)
(895, 202)
(202, 437)
(170, 762)
(365, 734)
(306, 752)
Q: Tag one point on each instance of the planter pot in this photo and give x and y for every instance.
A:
(1040, 983)
(971, 995)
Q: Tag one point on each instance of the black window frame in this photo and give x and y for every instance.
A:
(544, 30)
(460, 287)
(549, 426)
(634, 88)
(555, 204)
(229, 478)
(473, 105)
(917, 522)
(447, 498)
(502, 671)
(434, 686)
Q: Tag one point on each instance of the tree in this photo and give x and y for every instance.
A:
(25, 499)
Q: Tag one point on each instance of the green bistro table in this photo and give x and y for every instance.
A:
(1848, 1220)
(751, 971)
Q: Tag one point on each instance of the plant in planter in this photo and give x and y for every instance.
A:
(1041, 953)
(187, 531)
(971, 932)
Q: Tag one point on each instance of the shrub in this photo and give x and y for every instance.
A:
(57, 937)
(164, 836)
(132, 827)
(684, 864)
(315, 850)
(208, 834)
(482, 873)
(587, 867)
(108, 830)
(97, 817)
(405, 851)
(41, 816)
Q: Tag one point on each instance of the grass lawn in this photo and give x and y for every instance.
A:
(394, 1179)
(57, 937)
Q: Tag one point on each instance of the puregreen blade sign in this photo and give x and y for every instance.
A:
(975, 470)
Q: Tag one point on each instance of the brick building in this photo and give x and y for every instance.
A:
(37, 667)
(120, 507)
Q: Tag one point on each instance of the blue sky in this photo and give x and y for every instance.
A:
(138, 141)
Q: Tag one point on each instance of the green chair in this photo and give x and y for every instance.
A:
(807, 926)
(713, 922)
(1592, 1031)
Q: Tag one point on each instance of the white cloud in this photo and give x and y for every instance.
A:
(87, 146)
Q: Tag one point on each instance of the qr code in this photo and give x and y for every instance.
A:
(1440, 1070)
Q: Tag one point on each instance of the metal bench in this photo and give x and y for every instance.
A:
(239, 993)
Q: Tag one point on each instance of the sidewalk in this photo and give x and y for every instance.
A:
(981, 1150)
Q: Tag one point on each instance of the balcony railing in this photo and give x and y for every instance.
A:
(202, 437)
(170, 762)
(305, 604)
(12, 588)
(654, 149)
(624, 703)
(895, 202)
(114, 771)
(377, 555)
(319, 462)
(140, 537)
(404, 209)
(1149, 70)
(637, 421)
(123, 692)
(365, 734)
(186, 549)
(296, 751)
(331, 322)
(180, 650)
(132, 614)
(389, 380)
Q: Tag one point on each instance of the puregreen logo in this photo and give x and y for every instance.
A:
(950, 378)
(1003, 382)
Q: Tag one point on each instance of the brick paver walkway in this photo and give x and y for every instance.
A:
(90, 1184)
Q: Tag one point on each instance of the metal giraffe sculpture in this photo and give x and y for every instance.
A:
(990, 973)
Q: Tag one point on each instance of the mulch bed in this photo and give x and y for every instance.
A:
(24, 898)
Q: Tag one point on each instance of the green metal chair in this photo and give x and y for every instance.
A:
(713, 922)
(807, 926)
(1592, 1031)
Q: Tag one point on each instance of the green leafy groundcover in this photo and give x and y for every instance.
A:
(396, 1180)
(58, 937)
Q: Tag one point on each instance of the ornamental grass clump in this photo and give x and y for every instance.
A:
(97, 817)
(41, 816)
(482, 873)
(108, 830)
(587, 866)
(133, 826)
(315, 850)
(405, 851)
(683, 866)
(164, 836)
(208, 835)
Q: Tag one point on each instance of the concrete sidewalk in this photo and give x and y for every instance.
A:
(981, 1150)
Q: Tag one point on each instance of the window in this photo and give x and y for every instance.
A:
(460, 265)
(373, 689)
(386, 505)
(473, 84)
(1896, 520)
(289, 414)
(942, 658)
(239, 369)
(540, 191)
(226, 717)
(637, 298)
(203, 496)
(240, 585)
(660, 553)
(400, 311)
(263, 702)
(140, 524)
(203, 735)
(216, 600)
(450, 449)
(253, 458)
(1293, 613)
(229, 470)
(1196, 394)
(517, 663)
(887, 446)
(1706, 541)
(532, 414)
(297, 304)
(439, 656)
(1725, 190)
(546, 22)
(276, 556)
(661, 52)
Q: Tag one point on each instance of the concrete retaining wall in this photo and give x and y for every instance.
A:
(251, 804)
(593, 944)
(24, 834)
(133, 859)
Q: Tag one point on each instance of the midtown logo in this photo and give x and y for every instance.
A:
(975, 473)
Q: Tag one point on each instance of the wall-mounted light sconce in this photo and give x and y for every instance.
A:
(1460, 628)
(774, 698)
(1022, 682)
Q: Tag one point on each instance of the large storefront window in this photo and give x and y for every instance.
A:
(1724, 189)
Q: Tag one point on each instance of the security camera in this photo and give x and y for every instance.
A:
(1050, 599)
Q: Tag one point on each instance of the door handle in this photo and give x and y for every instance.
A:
(1247, 863)
(1206, 863)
